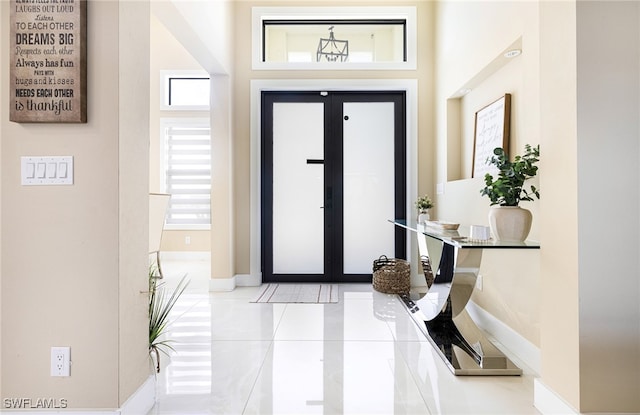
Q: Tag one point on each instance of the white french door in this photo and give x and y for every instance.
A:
(298, 188)
(333, 173)
(369, 184)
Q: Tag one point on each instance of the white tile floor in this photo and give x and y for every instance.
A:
(363, 355)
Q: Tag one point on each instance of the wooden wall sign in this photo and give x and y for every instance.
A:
(48, 73)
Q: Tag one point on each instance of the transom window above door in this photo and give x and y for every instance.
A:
(184, 90)
(337, 38)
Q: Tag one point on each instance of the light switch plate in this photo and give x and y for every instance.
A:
(46, 170)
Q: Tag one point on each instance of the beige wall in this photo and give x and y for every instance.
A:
(473, 58)
(74, 258)
(133, 196)
(577, 94)
(205, 32)
(168, 54)
(608, 128)
(591, 101)
(559, 262)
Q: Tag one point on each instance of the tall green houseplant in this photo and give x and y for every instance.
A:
(508, 188)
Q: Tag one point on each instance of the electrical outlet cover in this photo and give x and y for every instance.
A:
(60, 361)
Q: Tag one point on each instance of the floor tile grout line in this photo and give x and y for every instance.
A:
(413, 378)
(258, 374)
(264, 360)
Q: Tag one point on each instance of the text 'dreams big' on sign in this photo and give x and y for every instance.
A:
(48, 66)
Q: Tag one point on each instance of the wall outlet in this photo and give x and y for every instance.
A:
(480, 282)
(61, 361)
(187, 240)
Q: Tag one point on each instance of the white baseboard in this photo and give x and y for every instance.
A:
(222, 284)
(547, 402)
(142, 400)
(509, 338)
(248, 280)
(139, 403)
(229, 284)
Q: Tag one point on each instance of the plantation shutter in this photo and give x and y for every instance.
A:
(188, 175)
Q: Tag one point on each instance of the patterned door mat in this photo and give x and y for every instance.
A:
(298, 293)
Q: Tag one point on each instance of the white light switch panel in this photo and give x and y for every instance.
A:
(45, 171)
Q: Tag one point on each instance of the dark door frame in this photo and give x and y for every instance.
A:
(333, 161)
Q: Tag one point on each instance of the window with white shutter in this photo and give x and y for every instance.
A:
(187, 172)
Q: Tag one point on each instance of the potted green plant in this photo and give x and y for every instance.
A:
(423, 204)
(160, 305)
(508, 221)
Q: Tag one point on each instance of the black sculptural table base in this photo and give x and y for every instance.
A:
(440, 311)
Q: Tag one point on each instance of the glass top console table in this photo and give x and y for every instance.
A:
(440, 311)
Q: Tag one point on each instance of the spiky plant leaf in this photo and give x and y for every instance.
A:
(160, 305)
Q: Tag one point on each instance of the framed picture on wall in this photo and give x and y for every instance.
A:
(491, 130)
(48, 61)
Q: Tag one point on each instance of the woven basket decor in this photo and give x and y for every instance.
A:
(426, 268)
(391, 275)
